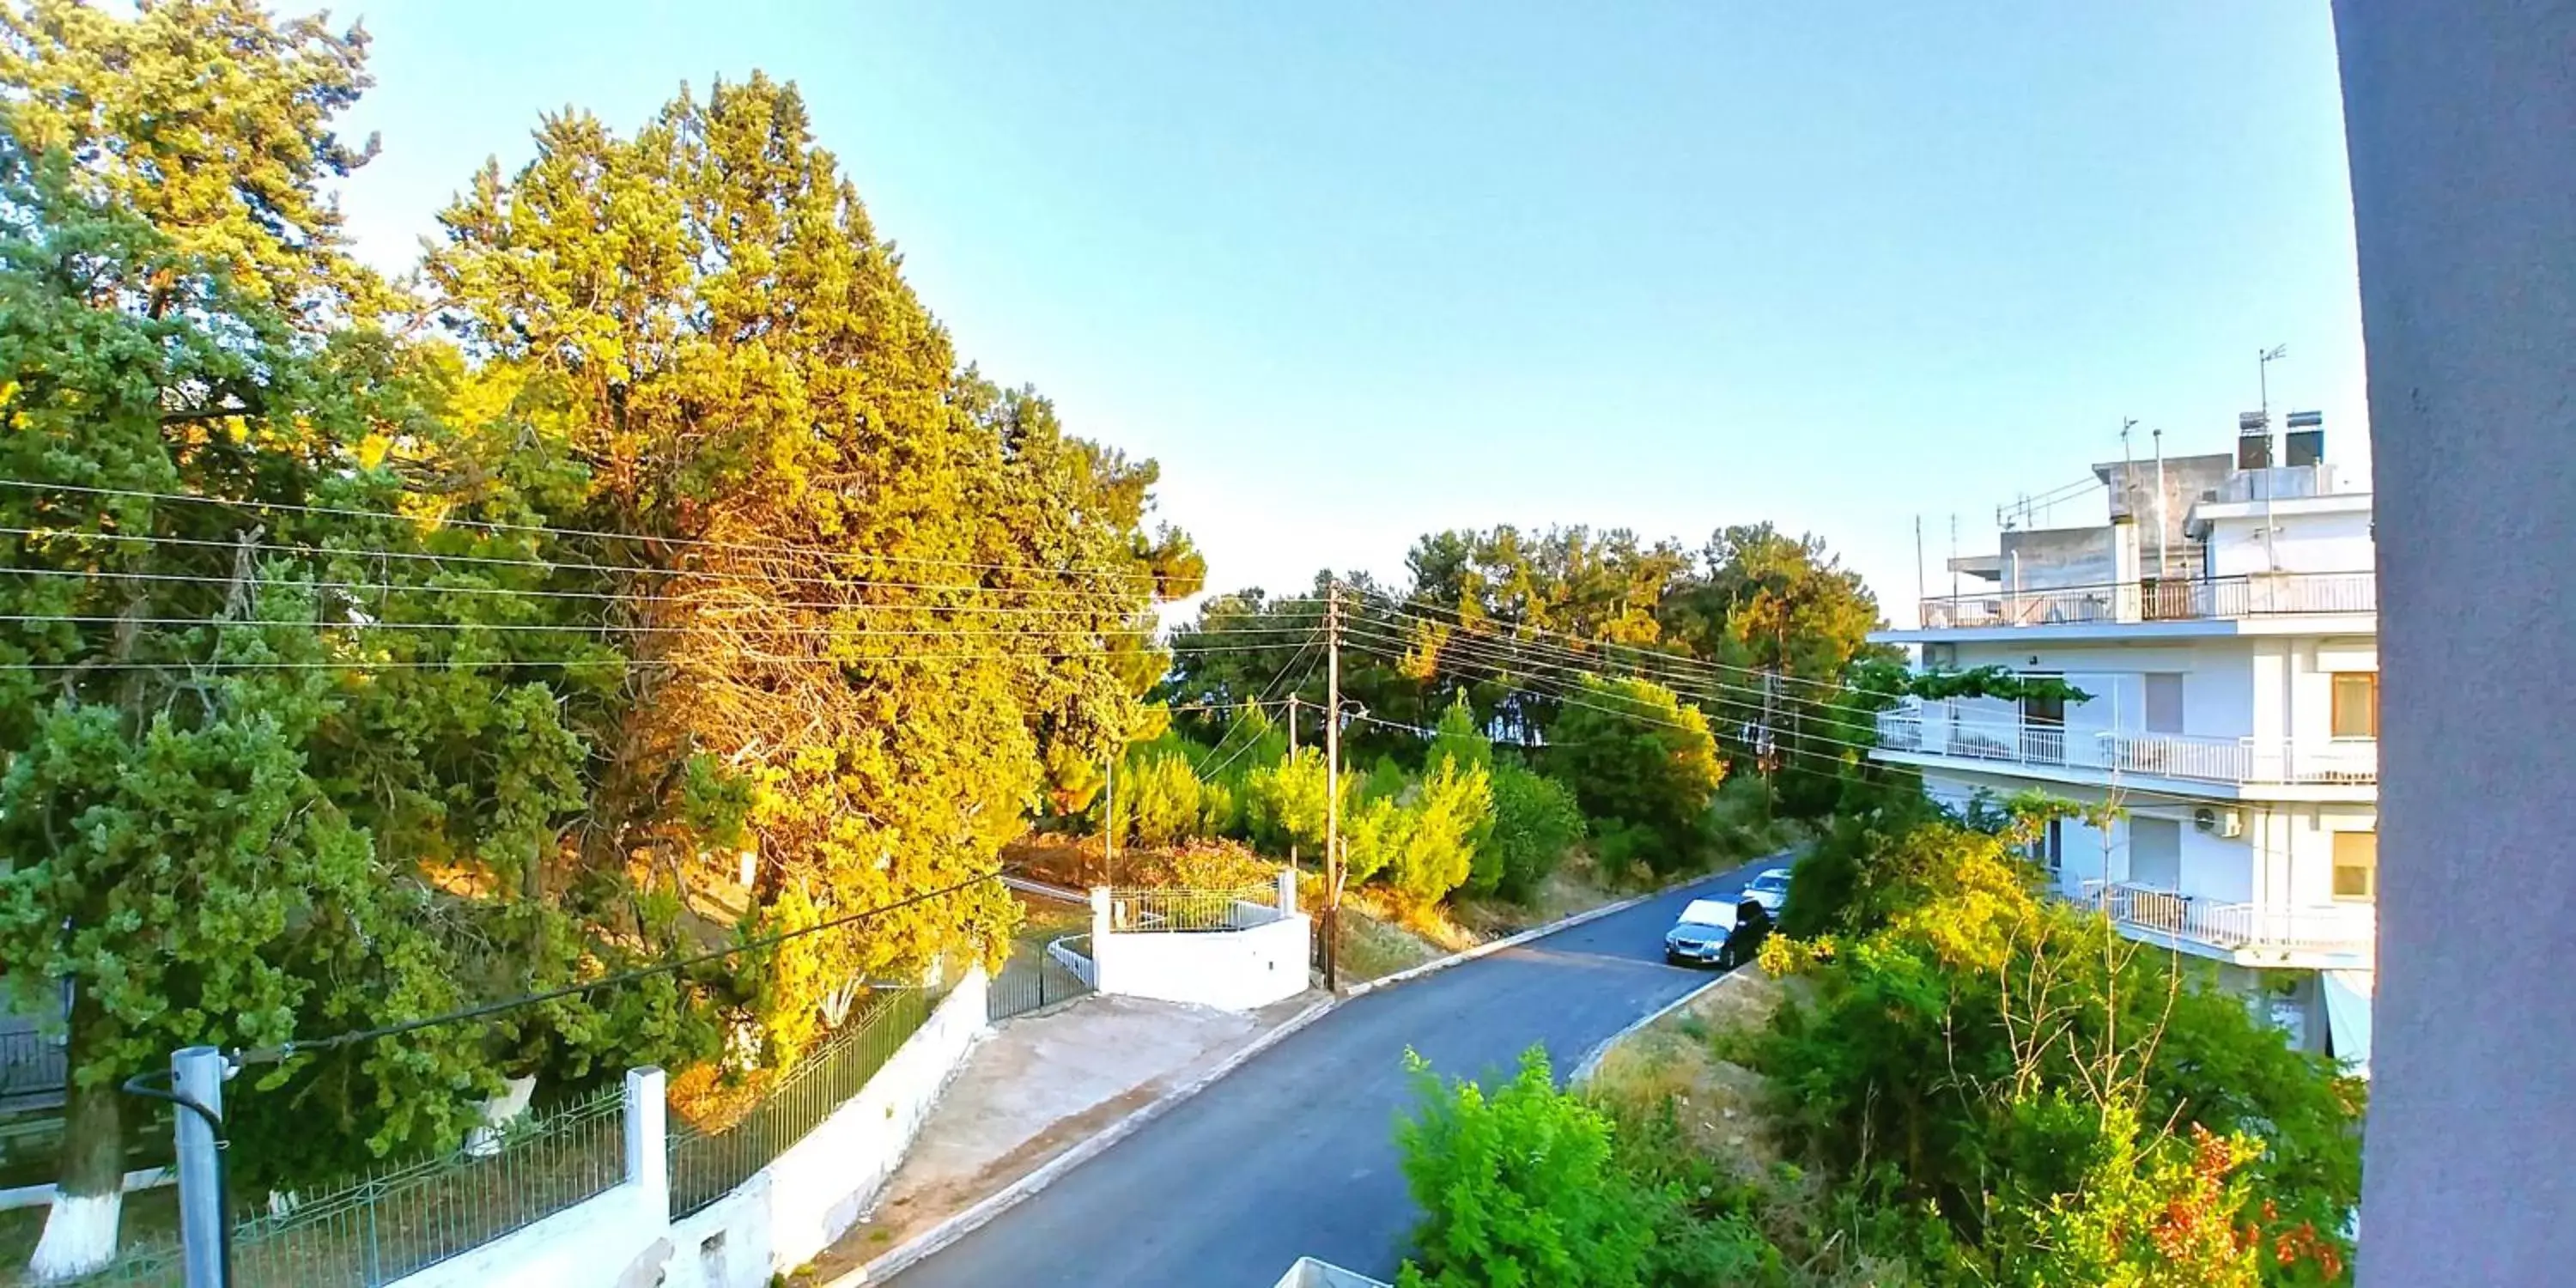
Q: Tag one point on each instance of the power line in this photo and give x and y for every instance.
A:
(464, 663)
(826, 631)
(1255, 705)
(483, 525)
(289, 1049)
(1805, 739)
(553, 565)
(1682, 661)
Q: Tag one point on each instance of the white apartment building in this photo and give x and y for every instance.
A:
(2224, 626)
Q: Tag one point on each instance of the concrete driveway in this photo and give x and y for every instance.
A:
(1294, 1154)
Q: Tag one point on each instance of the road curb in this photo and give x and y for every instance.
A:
(895, 1261)
(1601, 1050)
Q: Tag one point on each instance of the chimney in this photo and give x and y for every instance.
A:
(2306, 442)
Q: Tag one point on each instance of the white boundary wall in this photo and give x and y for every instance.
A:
(808, 1197)
(1235, 970)
(781, 1218)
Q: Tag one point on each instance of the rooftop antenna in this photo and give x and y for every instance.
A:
(2263, 388)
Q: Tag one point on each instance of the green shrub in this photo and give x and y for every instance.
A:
(1536, 823)
(1634, 754)
(1517, 1188)
(1158, 799)
(1283, 804)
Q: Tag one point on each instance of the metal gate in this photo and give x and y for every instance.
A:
(1031, 980)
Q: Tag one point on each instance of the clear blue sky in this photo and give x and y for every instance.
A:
(1356, 272)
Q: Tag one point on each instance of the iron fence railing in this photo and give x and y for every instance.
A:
(1132, 911)
(31, 1068)
(2229, 926)
(401, 1221)
(2157, 599)
(1947, 729)
(1033, 980)
(707, 1164)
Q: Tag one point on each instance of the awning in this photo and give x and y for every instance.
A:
(2348, 1016)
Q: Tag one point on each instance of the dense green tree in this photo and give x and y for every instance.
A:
(181, 847)
(211, 121)
(883, 592)
(1644, 767)
(1517, 1187)
(1536, 824)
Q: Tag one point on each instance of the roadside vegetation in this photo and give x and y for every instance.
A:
(1946, 1081)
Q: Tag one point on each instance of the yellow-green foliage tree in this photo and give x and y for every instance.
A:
(879, 590)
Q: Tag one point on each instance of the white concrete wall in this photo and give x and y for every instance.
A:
(585, 1246)
(781, 1218)
(1238, 970)
(589, 1243)
(2305, 543)
(807, 1198)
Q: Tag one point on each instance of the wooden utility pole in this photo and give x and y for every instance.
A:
(1332, 786)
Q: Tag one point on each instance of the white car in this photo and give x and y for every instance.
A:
(1771, 889)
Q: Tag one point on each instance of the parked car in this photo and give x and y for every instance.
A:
(1770, 889)
(1717, 932)
(1699, 938)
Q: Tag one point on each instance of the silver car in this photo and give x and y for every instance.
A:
(1699, 938)
(1771, 889)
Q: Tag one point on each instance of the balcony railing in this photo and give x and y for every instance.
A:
(1941, 729)
(2232, 927)
(2244, 760)
(2153, 600)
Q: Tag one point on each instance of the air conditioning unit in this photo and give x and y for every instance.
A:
(2218, 822)
(1940, 657)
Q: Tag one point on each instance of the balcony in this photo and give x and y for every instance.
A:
(2169, 599)
(2229, 929)
(2243, 760)
(1946, 729)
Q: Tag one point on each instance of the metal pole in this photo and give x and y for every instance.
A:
(1109, 819)
(1332, 786)
(1292, 759)
(1921, 591)
(197, 1077)
(2161, 557)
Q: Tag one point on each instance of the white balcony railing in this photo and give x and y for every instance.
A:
(2232, 927)
(2244, 760)
(2157, 600)
(1944, 729)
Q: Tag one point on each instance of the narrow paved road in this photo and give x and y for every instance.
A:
(1294, 1154)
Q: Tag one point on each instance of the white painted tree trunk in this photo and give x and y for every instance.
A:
(485, 1140)
(80, 1237)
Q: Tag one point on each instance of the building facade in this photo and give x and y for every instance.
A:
(2222, 628)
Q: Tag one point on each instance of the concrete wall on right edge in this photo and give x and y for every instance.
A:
(2461, 124)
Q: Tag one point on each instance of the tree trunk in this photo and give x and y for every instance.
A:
(80, 1231)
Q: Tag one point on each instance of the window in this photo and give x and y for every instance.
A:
(2356, 865)
(2164, 703)
(2356, 704)
(2048, 849)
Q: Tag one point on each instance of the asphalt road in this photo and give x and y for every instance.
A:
(1294, 1154)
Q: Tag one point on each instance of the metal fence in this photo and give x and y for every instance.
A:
(2157, 599)
(1030, 981)
(706, 1165)
(1134, 911)
(404, 1220)
(31, 1069)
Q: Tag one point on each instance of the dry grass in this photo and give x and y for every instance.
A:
(1719, 1104)
(1723, 1111)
